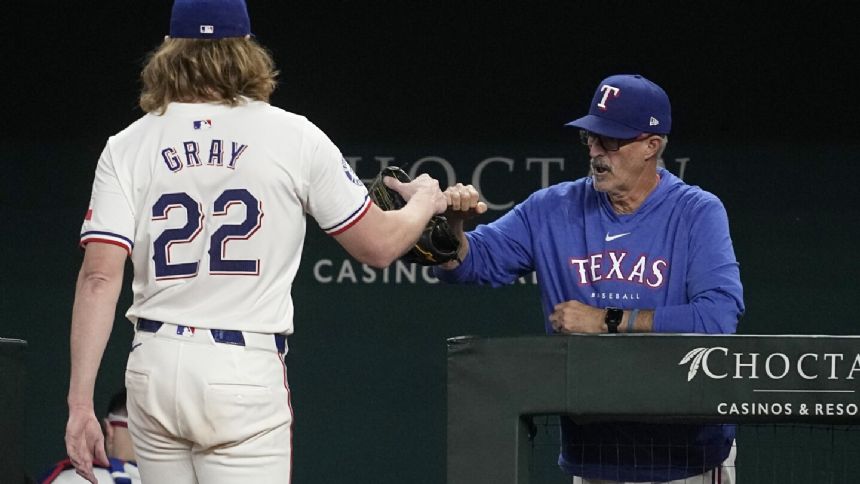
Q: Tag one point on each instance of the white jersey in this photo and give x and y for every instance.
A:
(210, 202)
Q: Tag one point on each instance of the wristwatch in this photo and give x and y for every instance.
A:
(613, 318)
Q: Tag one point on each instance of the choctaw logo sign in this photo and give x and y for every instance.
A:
(773, 366)
(805, 384)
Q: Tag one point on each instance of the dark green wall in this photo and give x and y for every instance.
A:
(367, 362)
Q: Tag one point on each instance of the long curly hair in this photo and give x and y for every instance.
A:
(203, 70)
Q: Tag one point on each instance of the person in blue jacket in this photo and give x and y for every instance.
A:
(628, 249)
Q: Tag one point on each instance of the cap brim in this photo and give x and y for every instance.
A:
(604, 127)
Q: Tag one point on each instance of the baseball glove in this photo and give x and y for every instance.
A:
(437, 243)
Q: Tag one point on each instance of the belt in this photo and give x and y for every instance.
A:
(226, 336)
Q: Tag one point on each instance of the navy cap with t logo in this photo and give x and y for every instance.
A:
(209, 19)
(625, 106)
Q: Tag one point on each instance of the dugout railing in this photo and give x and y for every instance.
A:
(495, 386)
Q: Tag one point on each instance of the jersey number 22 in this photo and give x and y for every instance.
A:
(165, 269)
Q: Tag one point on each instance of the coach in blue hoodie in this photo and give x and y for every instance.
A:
(630, 248)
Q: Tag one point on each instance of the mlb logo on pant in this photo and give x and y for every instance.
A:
(185, 330)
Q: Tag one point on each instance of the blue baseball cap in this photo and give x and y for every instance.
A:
(209, 19)
(625, 106)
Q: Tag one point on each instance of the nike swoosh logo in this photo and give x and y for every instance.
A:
(135, 346)
(610, 238)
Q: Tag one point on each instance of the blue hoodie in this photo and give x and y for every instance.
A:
(673, 254)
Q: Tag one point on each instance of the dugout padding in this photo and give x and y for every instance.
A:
(493, 383)
(12, 353)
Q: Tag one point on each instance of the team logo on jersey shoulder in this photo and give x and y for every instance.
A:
(350, 175)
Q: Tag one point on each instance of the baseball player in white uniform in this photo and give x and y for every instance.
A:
(208, 195)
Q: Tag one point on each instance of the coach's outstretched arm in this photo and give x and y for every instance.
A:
(96, 294)
(380, 237)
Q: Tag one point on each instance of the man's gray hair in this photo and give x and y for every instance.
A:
(660, 162)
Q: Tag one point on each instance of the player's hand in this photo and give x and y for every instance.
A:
(464, 202)
(84, 442)
(423, 186)
(575, 317)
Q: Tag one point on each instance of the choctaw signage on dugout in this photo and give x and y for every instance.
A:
(817, 383)
(733, 377)
(729, 378)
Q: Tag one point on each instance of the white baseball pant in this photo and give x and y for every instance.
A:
(202, 411)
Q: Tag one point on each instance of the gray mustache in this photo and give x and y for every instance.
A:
(599, 165)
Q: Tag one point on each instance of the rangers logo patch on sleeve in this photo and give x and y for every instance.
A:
(350, 175)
